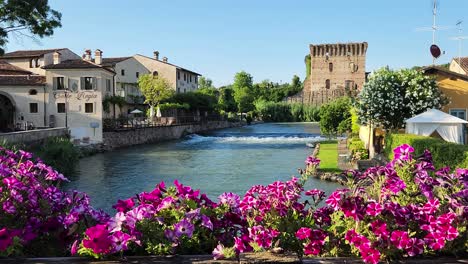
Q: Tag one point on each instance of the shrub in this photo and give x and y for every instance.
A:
(168, 106)
(357, 149)
(285, 112)
(444, 153)
(335, 116)
(59, 153)
(37, 218)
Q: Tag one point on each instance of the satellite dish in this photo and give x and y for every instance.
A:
(435, 51)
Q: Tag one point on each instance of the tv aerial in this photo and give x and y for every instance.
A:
(434, 49)
(460, 39)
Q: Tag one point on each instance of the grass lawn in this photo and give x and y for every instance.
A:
(328, 155)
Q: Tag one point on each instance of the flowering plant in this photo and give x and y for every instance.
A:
(35, 211)
(165, 221)
(406, 208)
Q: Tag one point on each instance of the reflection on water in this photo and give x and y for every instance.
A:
(228, 160)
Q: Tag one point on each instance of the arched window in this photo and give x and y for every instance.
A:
(155, 73)
(32, 92)
(327, 84)
(330, 67)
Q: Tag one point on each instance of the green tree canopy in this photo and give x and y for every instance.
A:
(243, 91)
(335, 116)
(155, 89)
(226, 100)
(205, 83)
(390, 97)
(32, 16)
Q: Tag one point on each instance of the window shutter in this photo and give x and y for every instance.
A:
(95, 83)
(54, 83)
(66, 83)
(82, 84)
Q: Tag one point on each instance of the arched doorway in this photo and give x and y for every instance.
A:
(7, 114)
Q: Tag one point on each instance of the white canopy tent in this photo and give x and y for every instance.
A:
(449, 127)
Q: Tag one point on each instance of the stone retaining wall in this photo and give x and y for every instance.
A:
(127, 138)
(33, 136)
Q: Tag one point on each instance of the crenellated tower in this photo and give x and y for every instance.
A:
(335, 66)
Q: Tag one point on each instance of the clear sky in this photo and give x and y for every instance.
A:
(268, 39)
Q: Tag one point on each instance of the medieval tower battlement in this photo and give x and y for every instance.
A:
(338, 66)
(335, 70)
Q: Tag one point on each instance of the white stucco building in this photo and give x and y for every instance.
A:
(58, 88)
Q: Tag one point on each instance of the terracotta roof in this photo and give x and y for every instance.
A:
(22, 80)
(437, 69)
(28, 53)
(178, 67)
(75, 64)
(8, 69)
(463, 63)
(109, 62)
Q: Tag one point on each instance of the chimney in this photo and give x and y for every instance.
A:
(156, 55)
(164, 59)
(87, 55)
(56, 57)
(98, 56)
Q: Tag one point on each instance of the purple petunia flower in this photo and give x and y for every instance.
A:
(184, 227)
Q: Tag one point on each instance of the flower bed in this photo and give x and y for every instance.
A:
(404, 209)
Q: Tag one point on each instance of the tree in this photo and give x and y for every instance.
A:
(33, 16)
(243, 91)
(242, 79)
(226, 100)
(244, 100)
(155, 89)
(205, 83)
(335, 116)
(390, 97)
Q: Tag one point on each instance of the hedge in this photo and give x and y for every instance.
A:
(443, 153)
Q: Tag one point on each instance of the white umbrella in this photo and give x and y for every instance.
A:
(136, 111)
(158, 113)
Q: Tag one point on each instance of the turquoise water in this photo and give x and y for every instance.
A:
(228, 160)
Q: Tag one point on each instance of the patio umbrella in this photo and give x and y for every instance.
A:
(158, 113)
(136, 111)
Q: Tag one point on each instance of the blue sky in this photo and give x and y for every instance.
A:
(268, 39)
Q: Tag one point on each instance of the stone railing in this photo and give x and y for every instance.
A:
(33, 136)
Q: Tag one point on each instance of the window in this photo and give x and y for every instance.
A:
(185, 77)
(178, 90)
(349, 84)
(60, 107)
(178, 75)
(31, 63)
(327, 84)
(88, 83)
(185, 90)
(89, 107)
(33, 108)
(37, 62)
(108, 85)
(460, 113)
(196, 79)
(122, 72)
(59, 83)
(137, 74)
(190, 78)
(330, 67)
(32, 92)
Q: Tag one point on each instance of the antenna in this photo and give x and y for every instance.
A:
(460, 39)
(434, 27)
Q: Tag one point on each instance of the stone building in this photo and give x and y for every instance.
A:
(336, 70)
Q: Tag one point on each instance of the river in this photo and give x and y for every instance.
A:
(228, 160)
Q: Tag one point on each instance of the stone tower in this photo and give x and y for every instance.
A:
(336, 70)
(335, 66)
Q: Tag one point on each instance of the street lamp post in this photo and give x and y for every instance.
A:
(66, 108)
